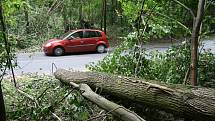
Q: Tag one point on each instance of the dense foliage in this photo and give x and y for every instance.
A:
(31, 22)
(159, 19)
(170, 66)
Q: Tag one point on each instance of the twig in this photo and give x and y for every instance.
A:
(139, 17)
(53, 5)
(28, 96)
(43, 93)
(58, 5)
(3, 73)
(74, 84)
(186, 76)
(57, 117)
(104, 114)
(66, 96)
(179, 23)
(191, 12)
(57, 102)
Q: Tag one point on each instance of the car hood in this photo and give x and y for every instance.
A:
(51, 41)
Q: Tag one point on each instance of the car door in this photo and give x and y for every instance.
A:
(74, 42)
(89, 40)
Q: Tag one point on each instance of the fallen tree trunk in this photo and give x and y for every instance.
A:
(188, 102)
(113, 108)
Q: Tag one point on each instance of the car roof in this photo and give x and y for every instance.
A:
(86, 30)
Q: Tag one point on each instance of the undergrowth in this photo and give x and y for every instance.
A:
(48, 98)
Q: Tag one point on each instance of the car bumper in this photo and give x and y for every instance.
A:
(47, 50)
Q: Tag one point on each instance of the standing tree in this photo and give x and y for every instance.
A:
(194, 39)
(105, 15)
(2, 107)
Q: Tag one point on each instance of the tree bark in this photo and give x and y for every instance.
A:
(192, 102)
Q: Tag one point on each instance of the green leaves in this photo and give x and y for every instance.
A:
(168, 67)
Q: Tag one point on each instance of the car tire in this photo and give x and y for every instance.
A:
(58, 51)
(100, 48)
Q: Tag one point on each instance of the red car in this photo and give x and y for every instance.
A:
(81, 40)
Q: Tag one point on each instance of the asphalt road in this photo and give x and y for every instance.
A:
(38, 62)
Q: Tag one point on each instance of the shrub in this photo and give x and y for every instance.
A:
(170, 66)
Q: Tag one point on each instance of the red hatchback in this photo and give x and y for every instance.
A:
(81, 40)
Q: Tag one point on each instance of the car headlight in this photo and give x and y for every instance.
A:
(48, 44)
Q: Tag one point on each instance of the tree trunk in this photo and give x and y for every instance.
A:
(105, 15)
(27, 30)
(65, 19)
(81, 15)
(112, 12)
(192, 102)
(102, 14)
(3, 35)
(194, 39)
(2, 107)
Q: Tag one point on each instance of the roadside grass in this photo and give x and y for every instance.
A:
(43, 97)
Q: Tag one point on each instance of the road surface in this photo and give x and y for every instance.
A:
(38, 62)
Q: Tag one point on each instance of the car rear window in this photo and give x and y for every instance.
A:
(98, 34)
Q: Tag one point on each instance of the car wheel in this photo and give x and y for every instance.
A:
(58, 51)
(100, 49)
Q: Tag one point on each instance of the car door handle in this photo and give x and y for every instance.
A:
(82, 41)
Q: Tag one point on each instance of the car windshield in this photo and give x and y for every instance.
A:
(64, 35)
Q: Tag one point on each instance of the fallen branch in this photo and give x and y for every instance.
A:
(113, 108)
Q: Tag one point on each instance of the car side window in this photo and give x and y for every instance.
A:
(77, 35)
(86, 34)
(90, 34)
(98, 34)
